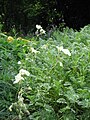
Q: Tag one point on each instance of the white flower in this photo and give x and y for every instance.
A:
(39, 31)
(34, 51)
(18, 78)
(61, 64)
(24, 72)
(27, 58)
(19, 62)
(42, 31)
(59, 48)
(67, 52)
(20, 98)
(38, 27)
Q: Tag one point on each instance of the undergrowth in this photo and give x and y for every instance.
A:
(45, 78)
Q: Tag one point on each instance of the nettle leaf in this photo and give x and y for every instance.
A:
(69, 116)
(71, 95)
(67, 84)
(84, 93)
(48, 108)
(64, 109)
(84, 103)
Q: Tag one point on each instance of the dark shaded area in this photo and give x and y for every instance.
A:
(13, 15)
(25, 14)
(76, 12)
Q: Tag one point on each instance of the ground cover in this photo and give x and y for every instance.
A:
(45, 77)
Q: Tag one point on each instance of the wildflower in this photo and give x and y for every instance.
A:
(42, 31)
(24, 72)
(59, 48)
(34, 51)
(38, 27)
(19, 62)
(39, 31)
(10, 39)
(65, 51)
(20, 98)
(21, 104)
(18, 78)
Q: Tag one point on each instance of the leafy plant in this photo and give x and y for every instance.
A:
(46, 78)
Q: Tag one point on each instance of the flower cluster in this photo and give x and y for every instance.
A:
(40, 30)
(65, 51)
(20, 105)
(20, 77)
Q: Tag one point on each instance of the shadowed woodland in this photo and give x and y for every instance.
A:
(25, 14)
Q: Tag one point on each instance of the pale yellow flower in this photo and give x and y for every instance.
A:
(10, 39)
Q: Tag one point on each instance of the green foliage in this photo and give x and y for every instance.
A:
(55, 80)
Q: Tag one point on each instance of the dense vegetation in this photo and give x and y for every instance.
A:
(45, 77)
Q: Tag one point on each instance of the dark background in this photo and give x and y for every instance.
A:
(25, 14)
